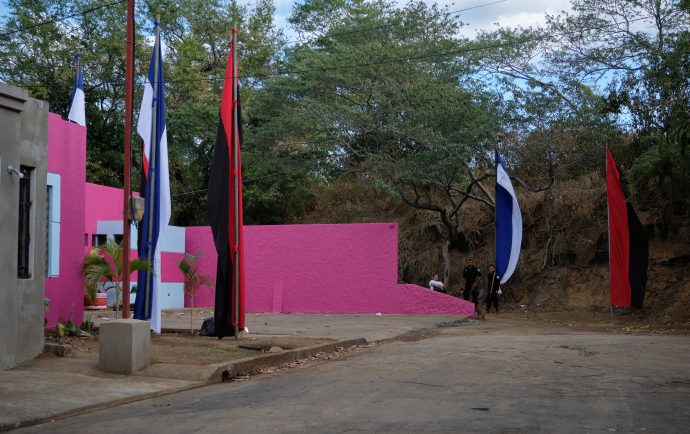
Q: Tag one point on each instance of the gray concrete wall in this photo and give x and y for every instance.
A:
(23, 141)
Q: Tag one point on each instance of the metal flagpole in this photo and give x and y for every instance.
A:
(236, 188)
(152, 167)
(76, 77)
(608, 221)
(129, 93)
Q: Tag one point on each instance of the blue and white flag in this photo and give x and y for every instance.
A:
(77, 106)
(508, 224)
(157, 210)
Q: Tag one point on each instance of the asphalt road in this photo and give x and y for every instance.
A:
(471, 379)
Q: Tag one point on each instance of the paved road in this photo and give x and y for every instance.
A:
(465, 379)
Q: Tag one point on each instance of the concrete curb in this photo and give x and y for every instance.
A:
(224, 371)
(215, 373)
(4, 427)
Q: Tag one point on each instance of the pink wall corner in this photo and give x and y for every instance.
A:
(416, 299)
(67, 158)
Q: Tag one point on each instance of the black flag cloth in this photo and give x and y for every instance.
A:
(225, 208)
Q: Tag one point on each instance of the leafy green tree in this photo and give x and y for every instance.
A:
(379, 92)
(619, 68)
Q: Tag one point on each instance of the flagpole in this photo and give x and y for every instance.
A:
(495, 261)
(236, 175)
(608, 222)
(129, 94)
(76, 77)
(150, 185)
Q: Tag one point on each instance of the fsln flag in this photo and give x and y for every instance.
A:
(77, 105)
(508, 224)
(225, 205)
(157, 208)
(628, 244)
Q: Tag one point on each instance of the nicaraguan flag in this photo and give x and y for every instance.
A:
(77, 106)
(508, 224)
(157, 211)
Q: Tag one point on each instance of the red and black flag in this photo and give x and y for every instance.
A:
(225, 206)
(628, 245)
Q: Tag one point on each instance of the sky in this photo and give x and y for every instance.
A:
(508, 13)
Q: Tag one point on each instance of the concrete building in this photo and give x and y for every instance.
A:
(24, 207)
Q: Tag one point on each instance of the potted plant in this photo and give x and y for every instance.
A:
(192, 281)
(104, 264)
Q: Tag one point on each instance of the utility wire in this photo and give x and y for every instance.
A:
(57, 20)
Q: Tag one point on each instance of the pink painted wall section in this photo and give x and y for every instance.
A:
(67, 158)
(200, 239)
(320, 268)
(422, 300)
(323, 269)
(170, 272)
(103, 203)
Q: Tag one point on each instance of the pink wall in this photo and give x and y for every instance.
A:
(102, 203)
(290, 268)
(67, 158)
(323, 269)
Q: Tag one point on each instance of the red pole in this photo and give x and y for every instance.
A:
(129, 95)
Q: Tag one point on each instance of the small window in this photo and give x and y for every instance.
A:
(49, 198)
(97, 240)
(53, 225)
(86, 240)
(24, 238)
(118, 239)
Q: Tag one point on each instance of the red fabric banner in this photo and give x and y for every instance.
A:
(619, 236)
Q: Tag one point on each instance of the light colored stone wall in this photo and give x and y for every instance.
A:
(23, 141)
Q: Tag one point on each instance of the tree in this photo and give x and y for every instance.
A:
(619, 68)
(192, 281)
(379, 92)
(104, 264)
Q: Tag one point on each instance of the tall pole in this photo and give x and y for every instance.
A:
(129, 95)
(151, 181)
(236, 175)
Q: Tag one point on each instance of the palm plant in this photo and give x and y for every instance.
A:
(192, 281)
(104, 264)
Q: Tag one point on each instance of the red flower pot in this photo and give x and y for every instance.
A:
(100, 303)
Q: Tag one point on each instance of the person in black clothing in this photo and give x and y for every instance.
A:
(471, 274)
(493, 281)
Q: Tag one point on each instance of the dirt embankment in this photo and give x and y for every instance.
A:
(564, 259)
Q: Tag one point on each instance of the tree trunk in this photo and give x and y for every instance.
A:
(446, 262)
(191, 313)
(117, 301)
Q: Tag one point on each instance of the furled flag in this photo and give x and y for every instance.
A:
(225, 206)
(77, 106)
(628, 245)
(151, 128)
(508, 224)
